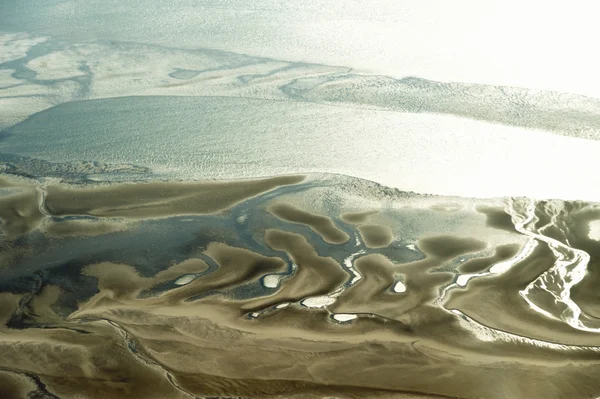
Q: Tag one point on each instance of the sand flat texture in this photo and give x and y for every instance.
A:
(139, 314)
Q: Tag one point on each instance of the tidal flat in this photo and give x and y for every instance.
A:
(297, 286)
(284, 199)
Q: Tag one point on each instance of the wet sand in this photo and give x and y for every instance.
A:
(357, 217)
(502, 253)
(376, 236)
(25, 208)
(158, 199)
(206, 323)
(19, 211)
(323, 225)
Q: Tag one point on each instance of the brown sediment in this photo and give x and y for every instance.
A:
(257, 388)
(208, 348)
(20, 208)
(207, 358)
(237, 266)
(14, 385)
(447, 246)
(372, 294)
(41, 304)
(322, 225)
(498, 218)
(123, 281)
(375, 235)
(9, 303)
(19, 211)
(200, 339)
(586, 294)
(502, 253)
(494, 301)
(577, 235)
(121, 284)
(357, 217)
(314, 276)
(146, 200)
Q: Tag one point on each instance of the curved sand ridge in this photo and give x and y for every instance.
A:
(200, 320)
(321, 224)
(374, 235)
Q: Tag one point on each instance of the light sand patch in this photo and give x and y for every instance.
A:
(344, 317)
(271, 280)
(595, 230)
(318, 301)
(83, 228)
(15, 45)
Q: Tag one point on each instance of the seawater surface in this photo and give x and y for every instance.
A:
(205, 113)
